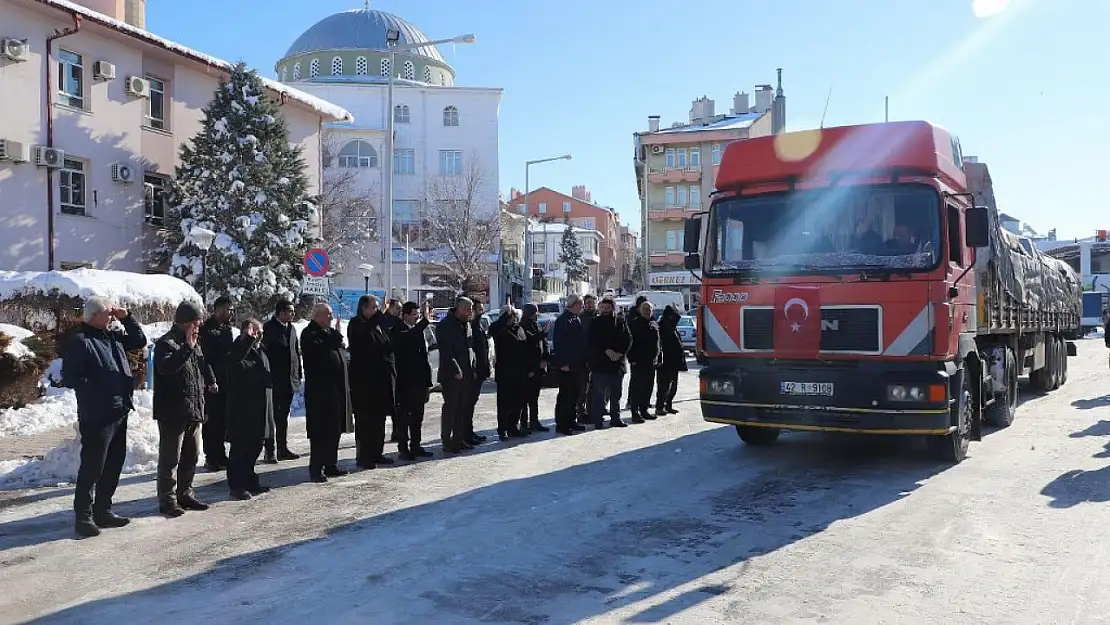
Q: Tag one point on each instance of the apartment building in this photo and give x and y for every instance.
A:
(95, 111)
(676, 168)
(626, 259)
(547, 246)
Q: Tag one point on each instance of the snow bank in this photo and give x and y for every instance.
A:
(56, 410)
(17, 349)
(129, 289)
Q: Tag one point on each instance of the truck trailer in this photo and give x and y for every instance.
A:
(858, 279)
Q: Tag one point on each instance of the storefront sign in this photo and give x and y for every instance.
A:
(673, 278)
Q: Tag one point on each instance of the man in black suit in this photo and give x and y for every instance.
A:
(414, 379)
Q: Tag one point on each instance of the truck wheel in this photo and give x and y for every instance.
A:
(1064, 366)
(952, 448)
(1041, 379)
(757, 436)
(1001, 413)
(1054, 363)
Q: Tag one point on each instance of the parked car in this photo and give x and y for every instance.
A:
(688, 331)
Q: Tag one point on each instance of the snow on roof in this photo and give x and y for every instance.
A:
(323, 107)
(128, 289)
(558, 228)
(730, 122)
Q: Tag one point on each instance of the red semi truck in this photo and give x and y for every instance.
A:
(854, 281)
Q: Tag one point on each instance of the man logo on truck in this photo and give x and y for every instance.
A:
(720, 296)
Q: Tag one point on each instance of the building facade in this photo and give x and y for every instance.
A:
(676, 168)
(546, 238)
(95, 112)
(445, 136)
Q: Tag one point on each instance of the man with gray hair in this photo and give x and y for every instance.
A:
(95, 366)
(454, 336)
(569, 342)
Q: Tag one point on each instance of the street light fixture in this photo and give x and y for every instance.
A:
(393, 40)
(366, 269)
(203, 239)
(527, 227)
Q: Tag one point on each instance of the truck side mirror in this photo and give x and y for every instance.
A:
(692, 262)
(977, 227)
(691, 242)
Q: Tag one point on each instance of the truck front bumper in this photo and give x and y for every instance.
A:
(837, 396)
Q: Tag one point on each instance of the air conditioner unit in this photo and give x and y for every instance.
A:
(14, 49)
(138, 87)
(49, 157)
(13, 151)
(656, 149)
(122, 173)
(103, 70)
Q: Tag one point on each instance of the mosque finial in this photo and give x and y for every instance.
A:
(367, 4)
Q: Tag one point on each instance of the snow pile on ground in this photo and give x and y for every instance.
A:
(57, 409)
(123, 286)
(17, 349)
(59, 465)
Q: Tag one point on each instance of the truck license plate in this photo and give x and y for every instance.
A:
(807, 388)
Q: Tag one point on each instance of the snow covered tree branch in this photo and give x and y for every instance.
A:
(348, 211)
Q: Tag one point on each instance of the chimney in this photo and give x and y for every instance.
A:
(740, 104)
(701, 110)
(763, 98)
(135, 13)
(580, 192)
(115, 9)
(653, 123)
(514, 194)
(778, 108)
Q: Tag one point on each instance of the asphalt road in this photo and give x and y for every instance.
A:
(673, 521)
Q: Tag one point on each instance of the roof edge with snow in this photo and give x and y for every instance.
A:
(321, 106)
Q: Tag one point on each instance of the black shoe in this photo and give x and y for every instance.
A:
(334, 472)
(171, 510)
(636, 418)
(539, 427)
(110, 519)
(383, 460)
(502, 436)
(190, 502)
(514, 433)
(86, 528)
(617, 423)
(671, 410)
(365, 466)
(567, 431)
(578, 427)
(269, 458)
(285, 454)
(479, 438)
(258, 490)
(648, 416)
(465, 446)
(406, 455)
(599, 425)
(420, 452)
(240, 495)
(318, 478)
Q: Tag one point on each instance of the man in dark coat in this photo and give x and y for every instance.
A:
(373, 380)
(327, 393)
(95, 366)
(283, 349)
(479, 342)
(630, 315)
(181, 377)
(609, 340)
(589, 312)
(570, 359)
(510, 342)
(534, 363)
(674, 361)
(216, 339)
(454, 334)
(250, 409)
(643, 358)
(414, 379)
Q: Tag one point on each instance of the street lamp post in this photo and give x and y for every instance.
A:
(527, 226)
(393, 40)
(203, 239)
(366, 269)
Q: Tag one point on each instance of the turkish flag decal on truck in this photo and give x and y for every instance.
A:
(797, 321)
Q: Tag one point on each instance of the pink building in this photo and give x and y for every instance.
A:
(95, 110)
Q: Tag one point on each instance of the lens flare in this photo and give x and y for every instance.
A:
(988, 8)
(796, 146)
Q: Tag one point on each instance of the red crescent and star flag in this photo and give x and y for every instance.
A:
(797, 321)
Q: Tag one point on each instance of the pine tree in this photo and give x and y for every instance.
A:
(570, 255)
(241, 178)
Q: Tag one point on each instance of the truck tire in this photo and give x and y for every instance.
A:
(757, 436)
(1041, 379)
(1056, 363)
(1064, 367)
(952, 448)
(1001, 413)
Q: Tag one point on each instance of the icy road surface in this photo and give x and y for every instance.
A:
(670, 522)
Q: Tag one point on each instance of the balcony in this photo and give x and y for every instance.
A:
(665, 258)
(659, 212)
(663, 175)
(591, 258)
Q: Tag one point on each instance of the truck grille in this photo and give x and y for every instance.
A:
(857, 329)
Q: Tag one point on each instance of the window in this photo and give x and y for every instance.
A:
(406, 212)
(385, 68)
(427, 74)
(672, 240)
(450, 116)
(695, 195)
(401, 114)
(410, 71)
(543, 208)
(360, 66)
(681, 162)
(156, 104)
(668, 196)
(297, 71)
(358, 154)
(670, 158)
(566, 207)
(716, 154)
(72, 187)
(521, 208)
(336, 66)
(442, 79)
(78, 265)
(154, 201)
(71, 79)
(404, 161)
(314, 68)
(955, 247)
(695, 157)
(539, 247)
(450, 162)
(682, 196)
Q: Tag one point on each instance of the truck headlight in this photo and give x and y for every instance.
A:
(899, 392)
(719, 386)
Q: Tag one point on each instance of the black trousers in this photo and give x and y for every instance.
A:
(214, 430)
(530, 411)
(605, 388)
(452, 418)
(240, 464)
(639, 388)
(409, 420)
(566, 403)
(369, 434)
(666, 387)
(582, 407)
(471, 405)
(103, 450)
(512, 402)
(323, 452)
(283, 401)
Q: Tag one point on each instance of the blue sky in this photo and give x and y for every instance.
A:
(1028, 90)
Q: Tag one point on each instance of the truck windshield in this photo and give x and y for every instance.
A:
(840, 227)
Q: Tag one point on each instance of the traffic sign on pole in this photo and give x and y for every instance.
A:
(317, 262)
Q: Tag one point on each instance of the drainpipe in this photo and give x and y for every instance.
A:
(50, 87)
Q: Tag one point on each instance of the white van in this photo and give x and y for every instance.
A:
(662, 299)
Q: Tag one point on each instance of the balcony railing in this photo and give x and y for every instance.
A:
(662, 258)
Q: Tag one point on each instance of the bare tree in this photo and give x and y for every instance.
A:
(463, 223)
(348, 212)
